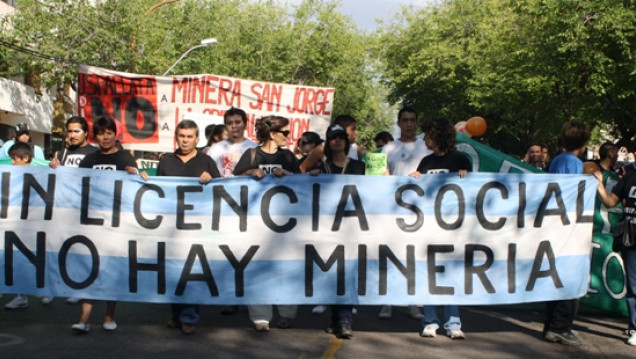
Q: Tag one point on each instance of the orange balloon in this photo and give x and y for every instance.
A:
(476, 126)
(590, 167)
(460, 127)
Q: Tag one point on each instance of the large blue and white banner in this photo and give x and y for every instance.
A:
(440, 239)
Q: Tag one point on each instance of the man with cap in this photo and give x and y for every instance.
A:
(21, 135)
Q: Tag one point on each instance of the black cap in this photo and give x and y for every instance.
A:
(335, 130)
(21, 128)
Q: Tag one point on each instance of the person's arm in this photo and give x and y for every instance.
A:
(242, 168)
(609, 200)
(313, 158)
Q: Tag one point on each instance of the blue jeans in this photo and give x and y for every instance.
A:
(451, 317)
(186, 313)
(629, 260)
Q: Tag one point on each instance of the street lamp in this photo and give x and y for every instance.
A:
(204, 43)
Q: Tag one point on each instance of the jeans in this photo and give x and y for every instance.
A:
(341, 314)
(629, 260)
(451, 317)
(186, 313)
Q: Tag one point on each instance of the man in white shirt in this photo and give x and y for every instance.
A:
(403, 156)
(227, 153)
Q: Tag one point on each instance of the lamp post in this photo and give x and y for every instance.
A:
(204, 43)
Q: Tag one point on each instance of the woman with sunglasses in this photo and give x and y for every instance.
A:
(270, 157)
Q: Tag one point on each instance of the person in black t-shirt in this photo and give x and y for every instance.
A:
(78, 147)
(439, 136)
(269, 158)
(187, 161)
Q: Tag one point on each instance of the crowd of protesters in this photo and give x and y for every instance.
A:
(229, 153)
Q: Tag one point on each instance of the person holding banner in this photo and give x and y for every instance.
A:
(623, 193)
(187, 161)
(109, 157)
(560, 313)
(349, 124)
(227, 152)
(269, 158)
(403, 156)
(337, 162)
(439, 135)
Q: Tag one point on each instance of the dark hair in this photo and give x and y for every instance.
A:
(574, 135)
(607, 150)
(264, 126)
(327, 149)
(102, 124)
(344, 120)
(310, 137)
(78, 120)
(406, 109)
(21, 150)
(216, 130)
(187, 124)
(208, 131)
(383, 136)
(442, 132)
(235, 111)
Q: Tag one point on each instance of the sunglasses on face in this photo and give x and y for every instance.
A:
(284, 133)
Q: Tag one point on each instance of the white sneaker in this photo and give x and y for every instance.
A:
(110, 326)
(46, 300)
(455, 334)
(20, 301)
(319, 309)
(429, 332)
(261, 325)
(414, 312)
(81, 327)
(72, 300)
(385, 312)
(632, 338)
(354, 311)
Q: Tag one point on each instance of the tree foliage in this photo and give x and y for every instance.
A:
(527, 67)
(311, 44)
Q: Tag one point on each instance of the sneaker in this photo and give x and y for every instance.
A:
(188, 328)
(46, 300)
(284, 323)
(354, 311)
(385, 312)
(72, 300)
(110, 326)
(261, 326)
(20, 301)
(455, 334)
(319, 309)
(567, 337)
(345, 331)
(414, 312)
(230, 310)
(81, 327)
(429, 332)
(632, 338)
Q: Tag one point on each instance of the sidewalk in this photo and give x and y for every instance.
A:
(491, 332)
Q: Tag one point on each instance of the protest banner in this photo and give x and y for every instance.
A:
(149, 107)
(300, 239)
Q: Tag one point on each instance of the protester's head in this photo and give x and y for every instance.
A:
(104, 132)
(382, 138)
(535, 155)
(21, 153)
(272, 128)
(349, 124)
(76, 131)
(337, 140)
(439, 134)
(308, 141)
(208, 131)
(545, 151)
(407, 122)
(235, 121)
(22, 133)
(218, 134)
(574, 136)
(608, 151)
(187, 136)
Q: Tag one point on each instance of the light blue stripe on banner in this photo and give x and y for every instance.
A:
(283, 282)
(294, 195)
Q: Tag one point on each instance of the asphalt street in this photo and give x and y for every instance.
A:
(44, 331)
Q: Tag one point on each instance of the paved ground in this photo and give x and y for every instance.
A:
(491, 332)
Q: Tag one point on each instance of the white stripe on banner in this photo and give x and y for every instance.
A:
(485, 239)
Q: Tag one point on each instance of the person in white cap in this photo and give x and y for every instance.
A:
(22, 134)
